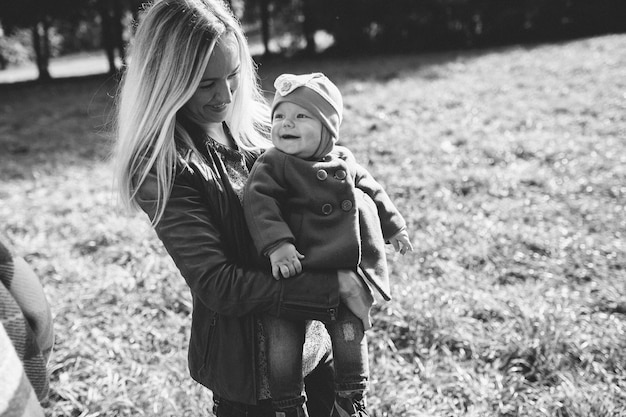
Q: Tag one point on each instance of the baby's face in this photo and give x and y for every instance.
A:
(295, 130)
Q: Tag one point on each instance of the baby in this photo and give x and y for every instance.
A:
(309, 204)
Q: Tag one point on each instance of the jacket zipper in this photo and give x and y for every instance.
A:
(331, 313)
(210, 341)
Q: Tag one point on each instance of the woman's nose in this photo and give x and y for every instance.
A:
(224, 92)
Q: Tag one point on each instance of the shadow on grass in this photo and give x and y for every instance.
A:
(29, 84)
(46, 126)
(70, 119)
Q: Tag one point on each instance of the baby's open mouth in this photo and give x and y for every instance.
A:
(289, 137)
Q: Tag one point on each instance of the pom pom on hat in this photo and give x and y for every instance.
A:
(316, 93)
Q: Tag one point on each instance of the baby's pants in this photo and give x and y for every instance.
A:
(285, 339)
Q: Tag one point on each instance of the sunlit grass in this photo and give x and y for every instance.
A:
(509, 166)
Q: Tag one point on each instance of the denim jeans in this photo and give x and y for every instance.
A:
(319, 391)
(285, 339)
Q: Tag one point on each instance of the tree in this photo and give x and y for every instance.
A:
(309, 25)
(111, 12)
(39, 17)
(41, 44)
(29, 14)
(264, 11)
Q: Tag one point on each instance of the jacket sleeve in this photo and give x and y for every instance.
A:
(264, 193)
(193, 240)
(391, 221)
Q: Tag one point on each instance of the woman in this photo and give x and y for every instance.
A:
(191, 121)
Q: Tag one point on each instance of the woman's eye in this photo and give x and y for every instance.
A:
(206, 86)
(233, 75)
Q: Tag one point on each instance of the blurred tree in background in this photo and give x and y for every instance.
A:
(400, 25)
(290, 27)
(60, 27)
(39, 17)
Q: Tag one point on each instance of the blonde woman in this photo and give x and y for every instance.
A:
(191, 122)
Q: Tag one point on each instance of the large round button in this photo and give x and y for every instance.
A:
(327, 209)
(340, 174)
(322, 175)
(346, 205)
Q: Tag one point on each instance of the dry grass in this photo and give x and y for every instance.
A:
(510, 167)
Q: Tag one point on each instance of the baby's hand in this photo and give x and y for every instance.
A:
(285, 260)
(401, 242)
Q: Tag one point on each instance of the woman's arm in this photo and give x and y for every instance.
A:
(192, 238)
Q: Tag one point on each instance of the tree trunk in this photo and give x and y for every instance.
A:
(41, 44)
(265, 25)
(108, 42)
(118, 28)
(308, 27)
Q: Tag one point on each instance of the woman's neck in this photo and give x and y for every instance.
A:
(217, 133)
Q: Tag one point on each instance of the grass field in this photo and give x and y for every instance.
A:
(509, 165)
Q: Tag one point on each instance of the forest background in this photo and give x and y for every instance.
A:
(37, 30)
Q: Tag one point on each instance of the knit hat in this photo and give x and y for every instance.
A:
(316, 93)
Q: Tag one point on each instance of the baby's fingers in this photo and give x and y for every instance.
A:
(286, 270)
(276, 272)
(407, 245)
(297, 266)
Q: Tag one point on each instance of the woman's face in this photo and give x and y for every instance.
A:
(212, 100)
(296, 131)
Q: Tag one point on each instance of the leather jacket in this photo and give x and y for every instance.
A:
(204, 230)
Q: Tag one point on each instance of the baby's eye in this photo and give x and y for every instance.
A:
(278, 116)
(302, 116)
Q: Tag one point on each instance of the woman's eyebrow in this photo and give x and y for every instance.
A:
(217, 78)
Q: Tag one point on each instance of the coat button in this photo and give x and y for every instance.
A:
(340, 174)
(346, 205)
(327, 209)
(322, 175)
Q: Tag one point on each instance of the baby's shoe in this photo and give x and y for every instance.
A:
(350, 406)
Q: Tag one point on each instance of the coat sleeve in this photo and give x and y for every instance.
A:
(391, 221)
(193, 240)
(263, 199)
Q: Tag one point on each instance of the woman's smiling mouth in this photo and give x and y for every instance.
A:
(218, 107)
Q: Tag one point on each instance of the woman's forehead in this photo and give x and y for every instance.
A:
(224, 58)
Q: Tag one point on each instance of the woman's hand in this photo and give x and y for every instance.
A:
(356, 295)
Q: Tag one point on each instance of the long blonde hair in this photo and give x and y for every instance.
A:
(171, 48)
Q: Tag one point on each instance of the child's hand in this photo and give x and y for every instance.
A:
(401, 242)
(285, 261)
